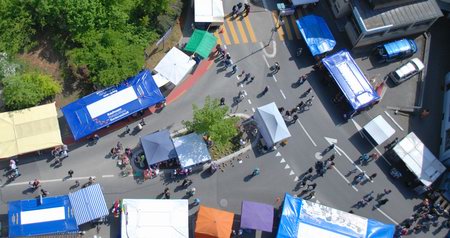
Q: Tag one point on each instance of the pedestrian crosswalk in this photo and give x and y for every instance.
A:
(241, 30)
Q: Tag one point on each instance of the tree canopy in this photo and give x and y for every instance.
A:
(28, 89)
(212, 120)
(106, 38)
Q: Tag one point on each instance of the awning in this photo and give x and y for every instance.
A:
(160, 80)
(302, 218)
(31, 217)
(88, 204)
(175, 65)
(351, 80)
(158, 147)
(156, 218)
(419, 159)
(29, 130)
(201, 42)
(271, 124)
(213, 222)
(209, 11)
(104, 107)
(316, 34)
(257, 216)
(191, 150)
(379, 129)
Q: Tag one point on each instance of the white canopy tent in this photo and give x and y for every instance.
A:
(209, 11)
(271, 124)
(419, 159)
(379, 129)
(173, 67)
(141, 218)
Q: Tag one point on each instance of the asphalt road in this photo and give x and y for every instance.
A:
(279, 169)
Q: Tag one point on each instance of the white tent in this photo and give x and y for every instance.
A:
(174, 66)
(419, 159)
(271, 124)
(191, 150)
(209, 11)
(141, 218)
(379, 129)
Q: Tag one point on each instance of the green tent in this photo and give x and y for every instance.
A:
(201, 42)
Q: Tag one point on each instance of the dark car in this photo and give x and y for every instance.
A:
(395, 50)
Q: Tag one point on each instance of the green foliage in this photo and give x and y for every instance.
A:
(16, 29)
(212, 120)
(29, 89)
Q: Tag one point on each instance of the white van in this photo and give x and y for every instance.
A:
(406, 71)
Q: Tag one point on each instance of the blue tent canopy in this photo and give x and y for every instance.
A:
(88, 204)
(31, 217)
(351, 80)
(104, 107)
(316, 34)
(302, 218)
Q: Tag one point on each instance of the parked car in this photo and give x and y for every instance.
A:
(406, 71)
(395, 50)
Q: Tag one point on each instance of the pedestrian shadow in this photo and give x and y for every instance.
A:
(206, 174)
(179, 188)
(261, 94)
(220, 70)
(56, 165)
(123, 134)
(229, 74)
(66, 178)
(365, 182)
(248, 177)
(160, 196)
(135, 131)
(74, 187)
(29, 190)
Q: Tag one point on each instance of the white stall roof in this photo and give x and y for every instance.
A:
(174, 66)
(160, 80)
(155, 218)
(209, 11)
(379, 129)
(303, 2)
(419, 159)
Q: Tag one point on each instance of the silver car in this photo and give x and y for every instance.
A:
(406, 71)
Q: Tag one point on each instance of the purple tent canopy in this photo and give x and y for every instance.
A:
(257, 216)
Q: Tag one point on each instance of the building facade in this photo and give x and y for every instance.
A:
(373, 21)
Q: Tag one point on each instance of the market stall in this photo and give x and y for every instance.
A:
(271, 124)
(316, 34)
(88, 204)
(209, 11)
(302, 218)
(29, 130)
(256, 216)
(201, 43)
(142, 218)
(173, 67)
(158, 147)
(104, 107)
(379, 130)
(213, 222)
(191, 150)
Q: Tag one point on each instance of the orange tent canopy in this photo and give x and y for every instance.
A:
(213, 222)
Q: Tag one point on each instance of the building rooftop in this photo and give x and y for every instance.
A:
(399, 15)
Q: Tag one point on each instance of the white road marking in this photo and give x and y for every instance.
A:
(388, 217)
(332, 141)
(318, 155)
(245, 92)
(253, 109)
(274, 78)
(249, 102)
(385, 112)
(278, 154)
(282, 161)
(358, 127)
(108, 176)
(282, 94)
(352, 162)
(346, 180)
(287, 166)
(291, 173)
(48, 181)
(379, 152)
(242, 85)
(296, 179)
(265, 60)
(307, 134)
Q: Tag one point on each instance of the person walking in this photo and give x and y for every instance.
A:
(127, 130)
(251, 79)
(276, 67)
(44, 192)
(234, 11)
(281, 109)
(310, 170)
(311, 186)
(382, 202)
(234, 69)
(196, 202)
(95, 138)
(70, 172)
(77, 183)
(309, 101)
(246, 9)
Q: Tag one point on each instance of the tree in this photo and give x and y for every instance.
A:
(29, 89)
(212, 120)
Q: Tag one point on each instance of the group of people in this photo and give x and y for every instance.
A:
(60, 152)
(13, 169)
(237, 9)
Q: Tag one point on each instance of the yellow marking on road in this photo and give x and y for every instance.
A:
(242, 32)
(232, 31)
(287, 28)
(294, 22)
(278, 29)
(219, 41)
(250, 29)
(224, 33)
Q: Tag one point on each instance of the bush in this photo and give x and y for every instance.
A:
(27, 90)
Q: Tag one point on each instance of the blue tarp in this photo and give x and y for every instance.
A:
(102, 108)
(316, 34)
(302, 218)
(396, 47)
(31, 218)
(351, 80)
(88, 204)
